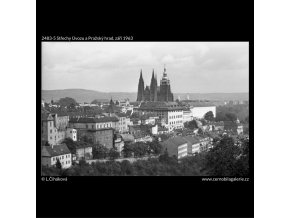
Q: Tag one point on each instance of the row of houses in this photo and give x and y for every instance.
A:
(182, 146)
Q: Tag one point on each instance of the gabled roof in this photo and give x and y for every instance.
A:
(56, 150)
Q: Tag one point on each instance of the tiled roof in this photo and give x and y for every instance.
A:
(127, 137)
(161, 106)
(56, 150)
(162, 128)
(174, 142)
(191, 140)
(93, 120)
(43, 110)
(46, 116)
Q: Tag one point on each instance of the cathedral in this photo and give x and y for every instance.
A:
(155, 92)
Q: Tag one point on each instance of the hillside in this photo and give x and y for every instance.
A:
(83, 95)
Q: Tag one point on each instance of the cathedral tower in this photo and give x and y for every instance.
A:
(165, 90)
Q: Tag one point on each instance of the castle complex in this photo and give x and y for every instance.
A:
(155, 92)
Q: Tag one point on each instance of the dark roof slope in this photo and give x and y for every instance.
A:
(175, 142)
(56, 150)
(191, 140)
(93, 120)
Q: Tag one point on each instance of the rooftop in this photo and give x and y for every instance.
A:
(93, 120)
(56, 150)
(127, 137)
(161, 106)
(174, 142)
(191, 140)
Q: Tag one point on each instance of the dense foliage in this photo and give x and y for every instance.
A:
(232, 112)
(191, 124)
(209, 116)
(228, 157)
(67, 102)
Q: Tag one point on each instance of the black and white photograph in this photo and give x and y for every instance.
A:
(145, 108)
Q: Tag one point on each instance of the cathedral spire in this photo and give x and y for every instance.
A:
(140, 94)
(153, 88)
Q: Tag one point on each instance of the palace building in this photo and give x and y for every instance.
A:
(155, 92)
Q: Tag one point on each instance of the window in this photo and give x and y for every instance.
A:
(87, 126)
(50, 124)
(70, 131)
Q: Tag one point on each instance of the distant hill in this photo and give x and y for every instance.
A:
(83, 95)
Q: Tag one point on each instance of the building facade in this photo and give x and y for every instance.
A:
(54, 129)
(84, 153)
(176, 146)
(199, 112)
(50, 155)
(187, 116)
(170, 114)
(98, 130)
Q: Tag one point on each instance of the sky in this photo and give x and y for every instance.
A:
(192, 67)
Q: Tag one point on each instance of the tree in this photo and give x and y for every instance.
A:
(191, 124)
(58, 164)
(126, 168)
(200, 131)
(70, 144)
(135, 115)
(246, 119)
(209, 116)
(100, 151)
(155, 148)
(86, 139)
(231, 117)
(222, 158)
(67, 102)
(113, 153)
(128, 149)
(164, 137)
(164, 157)
(140, 149)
